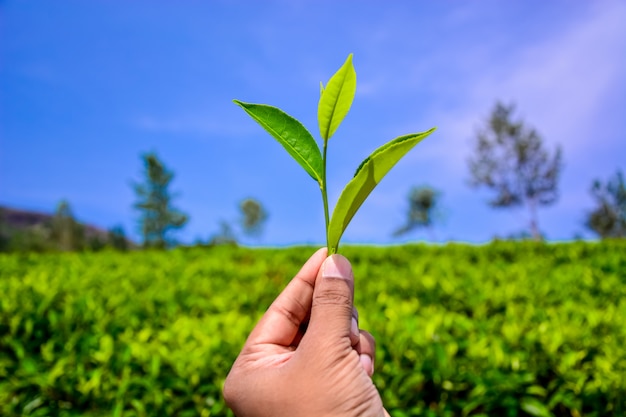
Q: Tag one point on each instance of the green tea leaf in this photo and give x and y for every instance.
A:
(290, 133)
(535, 407)
(367, 177)
(336, 99)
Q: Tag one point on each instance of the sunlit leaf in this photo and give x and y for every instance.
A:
(367, 177)
(336, 99)
(290, 133)
(535, 407)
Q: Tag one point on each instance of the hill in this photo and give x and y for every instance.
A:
(18, 219)
(32, 230)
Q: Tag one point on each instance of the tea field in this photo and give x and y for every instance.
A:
(504, 329)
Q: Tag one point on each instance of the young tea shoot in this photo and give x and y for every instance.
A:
(334, 103)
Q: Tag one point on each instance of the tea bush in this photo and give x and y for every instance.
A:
(512, 329)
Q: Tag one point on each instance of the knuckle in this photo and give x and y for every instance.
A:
(334, 297)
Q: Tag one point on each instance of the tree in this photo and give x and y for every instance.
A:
(253, 217)
(423, 205)
(5, 233)
(34, 238)
(116, 238)
(66, 232)
(608, 219)
(158, 216)
(225, 236)
(510, 159)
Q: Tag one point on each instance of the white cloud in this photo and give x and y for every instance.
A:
(561, 85)
(564, 85)
(565, 82)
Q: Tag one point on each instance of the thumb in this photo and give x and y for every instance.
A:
(332, 307)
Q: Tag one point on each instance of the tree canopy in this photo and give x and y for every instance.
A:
(158, 217)
(423, 204)
(511, 159)
(253, 216)
(608, 219)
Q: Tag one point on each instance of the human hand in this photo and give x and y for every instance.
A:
(306, 356)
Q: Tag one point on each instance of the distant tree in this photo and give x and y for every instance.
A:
(608, 219)
(225, 236)
(96, 243)
(510, 159)
(158, 217)
(423, 206)
(36, 238)
(65, 232)
(116, 238)
(5, 233)
(253, 217)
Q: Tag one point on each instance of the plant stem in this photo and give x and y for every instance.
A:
(325, 195)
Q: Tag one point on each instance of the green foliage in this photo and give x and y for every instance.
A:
(510, 159)
(367, 177)
(608, 219)
(336, 99)
(510, 328)
(333, 106)
(154, 202)
(290, 133)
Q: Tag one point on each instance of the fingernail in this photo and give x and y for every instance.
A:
(336, 266)
(367, 363)
(354, 329)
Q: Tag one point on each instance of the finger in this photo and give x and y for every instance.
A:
(366, 349)
(354, 328)
(281, 322)
(331, 311)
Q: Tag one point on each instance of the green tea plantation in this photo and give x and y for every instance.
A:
(504, 329)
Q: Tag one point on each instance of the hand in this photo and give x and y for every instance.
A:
(306, 356)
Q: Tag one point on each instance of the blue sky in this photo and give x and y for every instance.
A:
(87, 87)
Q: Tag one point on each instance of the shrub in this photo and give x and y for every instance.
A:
(508, 328)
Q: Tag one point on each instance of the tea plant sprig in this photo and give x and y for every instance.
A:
(335, 102)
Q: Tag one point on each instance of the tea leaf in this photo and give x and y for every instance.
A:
(535, 407)
(290, 133)
(367, 177)
(336, 99)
